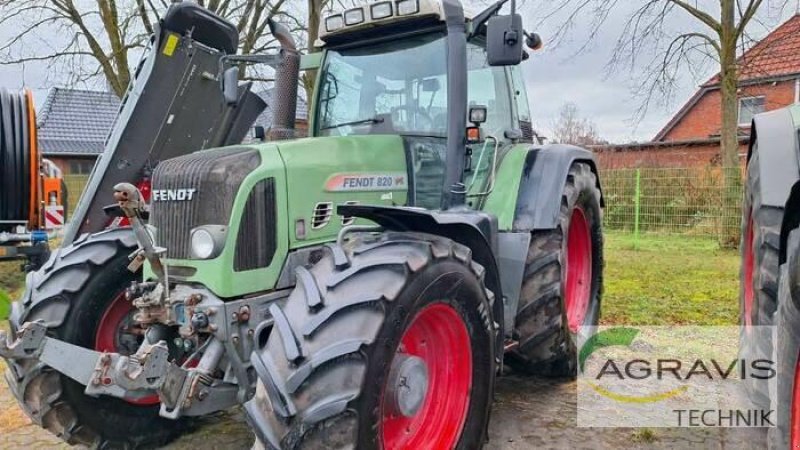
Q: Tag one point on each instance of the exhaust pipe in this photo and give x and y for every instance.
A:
(284, 93)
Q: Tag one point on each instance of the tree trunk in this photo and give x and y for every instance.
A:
(729, 142)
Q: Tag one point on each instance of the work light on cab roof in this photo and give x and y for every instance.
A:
(379, 12)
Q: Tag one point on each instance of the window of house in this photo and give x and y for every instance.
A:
(749, 107)
(81, 166)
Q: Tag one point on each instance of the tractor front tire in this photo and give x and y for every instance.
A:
(760, 241)
(563, 282)
(387, 342)
(85, 281)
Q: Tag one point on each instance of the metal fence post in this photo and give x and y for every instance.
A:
(636, 209)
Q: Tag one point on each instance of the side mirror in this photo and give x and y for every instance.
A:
(230, 85)
(504, 39)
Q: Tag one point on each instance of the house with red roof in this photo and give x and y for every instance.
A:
(769, 78)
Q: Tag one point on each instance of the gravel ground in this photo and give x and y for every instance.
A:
(528, 413)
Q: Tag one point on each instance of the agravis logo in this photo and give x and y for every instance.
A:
(635, 369)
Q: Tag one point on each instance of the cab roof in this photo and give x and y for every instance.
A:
(380, 13)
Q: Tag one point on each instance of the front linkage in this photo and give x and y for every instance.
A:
(217, 336)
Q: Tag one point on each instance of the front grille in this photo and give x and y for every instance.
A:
(257, 238)
(215, 176)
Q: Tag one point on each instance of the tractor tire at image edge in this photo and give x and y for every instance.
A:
(787, 345)
(760, 240)
(82, 286)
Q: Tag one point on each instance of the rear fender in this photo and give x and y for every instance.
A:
(544, 175)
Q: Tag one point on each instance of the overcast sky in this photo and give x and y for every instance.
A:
(554, 75)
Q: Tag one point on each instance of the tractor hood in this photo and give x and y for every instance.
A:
(254, 204)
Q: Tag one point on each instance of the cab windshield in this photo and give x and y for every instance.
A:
(387, 88)
(400, 87)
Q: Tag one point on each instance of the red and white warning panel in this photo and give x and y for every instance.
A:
(53, 217)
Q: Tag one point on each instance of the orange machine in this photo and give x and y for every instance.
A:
(32, 191)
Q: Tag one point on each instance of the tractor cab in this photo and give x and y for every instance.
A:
(387, 70)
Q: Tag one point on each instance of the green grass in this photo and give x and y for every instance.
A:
(11, 278)
(664, 280)
(668, 280)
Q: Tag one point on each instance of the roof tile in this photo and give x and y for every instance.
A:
(76, 121)
(776, 55)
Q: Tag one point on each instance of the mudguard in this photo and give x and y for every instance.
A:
(544, 174)
(775, 135)
(474, 229)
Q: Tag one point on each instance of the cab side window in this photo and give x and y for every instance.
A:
(523, 108)
(488, 86)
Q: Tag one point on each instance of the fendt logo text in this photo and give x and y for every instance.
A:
(180, 195)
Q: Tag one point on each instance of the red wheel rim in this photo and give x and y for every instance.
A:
(115, 324)
(439, 337)
(578, 286)
(794, 430)
(749, 263)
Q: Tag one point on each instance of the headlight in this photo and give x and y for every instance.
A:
(207, 241)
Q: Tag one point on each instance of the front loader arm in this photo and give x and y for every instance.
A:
(173, 107)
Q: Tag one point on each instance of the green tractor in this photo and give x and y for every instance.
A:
(362, 287)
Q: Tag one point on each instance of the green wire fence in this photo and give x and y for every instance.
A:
(691, 200)
(75, 185)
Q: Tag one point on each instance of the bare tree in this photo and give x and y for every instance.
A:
(571, 128)
(97, 38)
(316, 10)
(650, 42)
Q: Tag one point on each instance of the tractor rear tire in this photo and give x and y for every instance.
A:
(787, 322)
(563, 282)
(82, 284)
(338, 346)
(758, 285)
